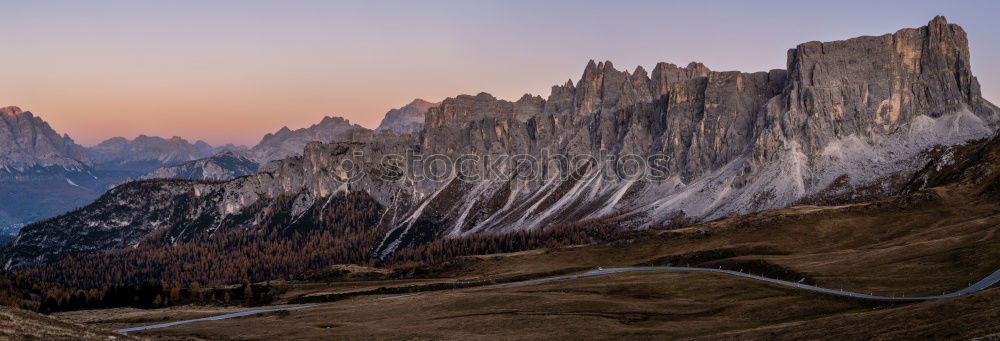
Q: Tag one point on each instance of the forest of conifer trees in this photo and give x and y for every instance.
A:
(162, 272)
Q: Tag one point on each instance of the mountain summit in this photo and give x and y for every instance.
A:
(27, 141)
(408, 119)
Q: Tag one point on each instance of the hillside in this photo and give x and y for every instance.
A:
(22, 325)
(923, 242)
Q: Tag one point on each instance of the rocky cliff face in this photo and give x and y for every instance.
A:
(723, 143)
(861, 108)
(871, 86)
(405, 120)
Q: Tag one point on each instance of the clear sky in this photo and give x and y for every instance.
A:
(231, 71)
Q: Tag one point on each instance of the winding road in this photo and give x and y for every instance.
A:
(213, 318)
(982, 284)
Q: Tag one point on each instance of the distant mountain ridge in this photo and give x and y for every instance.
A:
(145, 153)
(286, 143)
(60, 174)
(120, 149)
(43, 173)
(407, 119)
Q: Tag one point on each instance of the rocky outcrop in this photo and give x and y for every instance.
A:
(406, 120)
(459, 111)
(723, 142)
(222, 166)
(286, 142)
(665, 74)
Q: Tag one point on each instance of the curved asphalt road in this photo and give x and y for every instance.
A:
(982, 284)
(213, 318)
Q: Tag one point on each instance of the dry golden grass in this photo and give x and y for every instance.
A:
(925, 243)
(936, 244)
(18, 324)
(660, 305)
(117, 318)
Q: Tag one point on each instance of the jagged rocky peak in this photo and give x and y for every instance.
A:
(561, 99)
(325, 125)
(42, 172)
(598, 88)
(11, 110)
(873, 85)
(602, 87)
(28, 141)
(407, 119)
(635, 89)
(333, 120)
(528, 106)
(421, 104)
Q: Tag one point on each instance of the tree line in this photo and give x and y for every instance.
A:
(160, 272)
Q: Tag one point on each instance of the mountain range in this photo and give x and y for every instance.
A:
(286, 143)
(43, 174)
(844, 117)
(121, 152)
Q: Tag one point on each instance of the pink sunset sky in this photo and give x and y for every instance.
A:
(231, 71)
